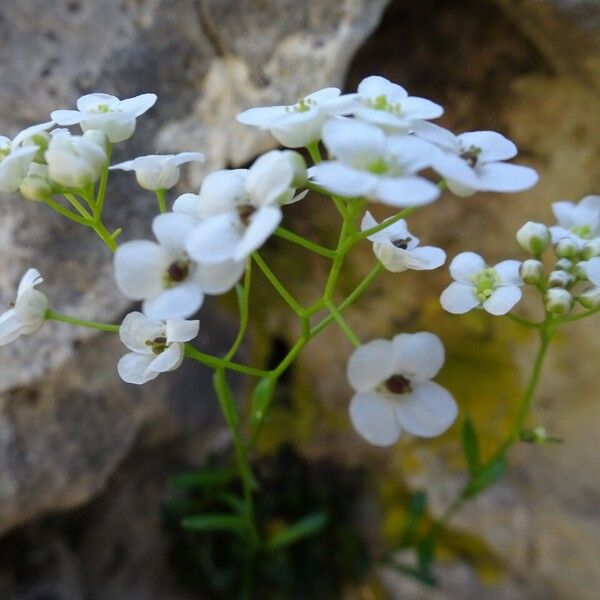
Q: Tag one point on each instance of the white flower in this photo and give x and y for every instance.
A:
(579, 222)
(592, 270)
(157, 346)
(387, 104)
(397, 248)
(494, 288)
(116, 118)
(75, 161)
(299, 124)
(16, 155)
(158, 171)
(162, 274)
(394, 391)
(238, 209)
(29, 311)
(375, 166)
(472, 161)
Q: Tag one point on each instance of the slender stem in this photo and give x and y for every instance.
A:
(315, 153)
(343, 324)
(65, 212)
(274, 281)
(243, 301)
(338, 261)
(56, 316)
(106, 236)
(78, 206)
(582, 315)
(99, 203)
(217, 363)
(522, 321)
(162, 204)
(300, 241)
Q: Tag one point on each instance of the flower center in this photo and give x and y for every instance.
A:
(178, 271)
(103, 108)
(379, 166)
(583, 231)
(157, 345)
(471, 155)
(303, 105)
(246, 211)
(485, 283)
(397, 384)
(382, 103)
(402, 243)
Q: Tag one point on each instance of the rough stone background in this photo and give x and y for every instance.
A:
(71, 432)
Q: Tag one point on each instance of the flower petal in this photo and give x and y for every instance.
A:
(374, 85)
(374, 418)
(269, 177)
(138, 105)
(185, 157)
(262, 224)
(429, 258)
(178, 302)
(508, 270)
(405, 191)
(341, 179)
(419, 356)
(592, 269)
(178, 330)
(215, 239)
(263, 116)
(502, 300)
(139, 268)
(136, 329)
(171, 230)
(493, 145)
(220, 277)
(465, 265)
(132, 368)
(350, 140)
(31, 278)
(168, 360)
(67, 117)
(504, 177)
(10, 326)
(428, 411)
(371, 364)
(459, 298)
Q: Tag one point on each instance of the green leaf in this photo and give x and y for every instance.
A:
(305, 527)
(214, 522)
(416, 509)
(470, 446)
(225, 398)
(487, 475)
(201, 479)
(261, 398)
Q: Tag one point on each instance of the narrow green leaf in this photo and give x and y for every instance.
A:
(225, 398)
(201, 479)
(261, 398)
(487, 475)
(470, 446)
(305, 527)
(214, 522)
(416, 509)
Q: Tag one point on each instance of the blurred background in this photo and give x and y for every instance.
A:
(86, 511)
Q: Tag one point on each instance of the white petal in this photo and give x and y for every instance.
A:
(465, 265)
(128, 165)
(558, 233)
(343, 180)
(368, 222)
(179, 330)
(31, 307)
(10, 327)
(263, 117)
(429, 256)
(395, 259)
(428, 410)
(298, 129)
(269, 177)
(215, 239)
(405, 191)
(374, 418)
(133, 367)
(371, 364)
(178, 302)
(67, 117)
(419, 356)
(218, 278)
(591, 203)
(460, 189)
(437, 135)
(350, 140)
(185, 157)
(262, 224)
(188, 204)
(168, 360)
(383, 118)
(13, 168)
(592, 269)
(139, 268)
(374, 85)
(564, 213)
(171, 230)
(29, 132)
(502, 299)
(455, 169)
(137, 328)
(459, 298)
(90, 102)
(117, 126)
(508, 270)
(415, 107)
(31, 278)
(504, 177)
(138, 105)
(222, 190)
(323, 95)
(493, 145)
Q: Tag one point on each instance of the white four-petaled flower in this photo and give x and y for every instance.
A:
(156, 346)
(398, 249)
(158, 171)
(298, 124)
(367, 163)
(171, 284)
(496, 288)
(394, 391)
(29, 311)
(116, 118)
(473, 161)
(580, 222)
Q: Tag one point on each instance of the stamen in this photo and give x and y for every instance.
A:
(402, 243)
(246, 211)
(397, 384)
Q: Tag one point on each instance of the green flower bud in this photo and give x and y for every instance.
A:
(591, 249)
(34, 187)
(579, 270)
(532, 271)
(98, 137)
(563, 264)
(534, 237)
(566, 248)
(558, 301)
(590, 298)
(560, 279)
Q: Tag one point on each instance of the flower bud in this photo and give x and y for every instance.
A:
(590, 298)
(532, 271)
(539, 435)
(591, 249)
(35, 185)
(98, 137)
(534, 237)
(560, 279)
(558, 301)
(563, 264)
(566, 248)
(580, 270)
(299, 166)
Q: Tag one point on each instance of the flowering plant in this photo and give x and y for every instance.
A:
(380, 146)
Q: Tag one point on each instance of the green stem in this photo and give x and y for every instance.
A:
(162, 203)
(243, 296)
(106, 236)
(300, 241)
(56, 316)
(218, 363)
(522, 321)
(315, 153)
(274, 281)
(582, 315)
(65, 212)
(342, 323)
(78, 206)
(99, 203)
